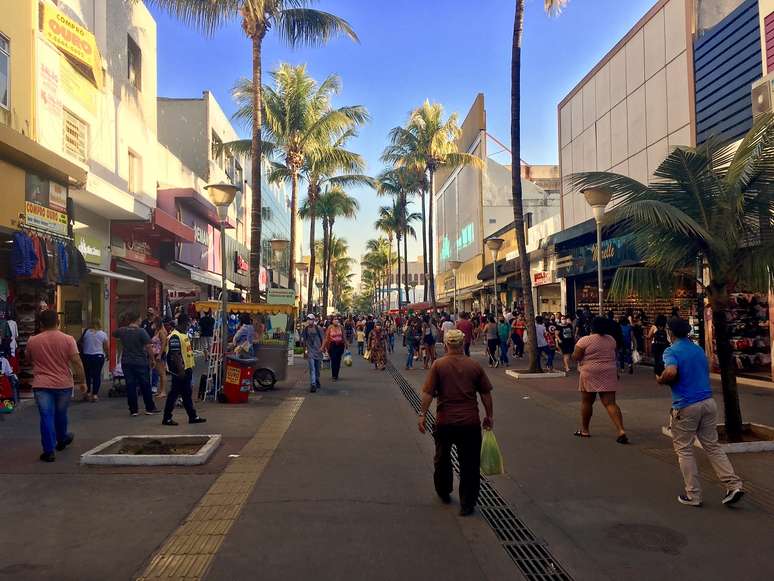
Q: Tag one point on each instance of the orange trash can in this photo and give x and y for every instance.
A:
(239, 379)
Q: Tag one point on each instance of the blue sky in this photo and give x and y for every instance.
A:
(411, 50)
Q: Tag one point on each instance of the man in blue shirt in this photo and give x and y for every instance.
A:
(694, 415)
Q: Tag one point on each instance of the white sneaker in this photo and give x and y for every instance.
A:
(733, 496)
(688, 501)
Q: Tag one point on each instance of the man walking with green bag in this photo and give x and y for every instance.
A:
(456, 381)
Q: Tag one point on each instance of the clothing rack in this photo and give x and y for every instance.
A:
(43, 232)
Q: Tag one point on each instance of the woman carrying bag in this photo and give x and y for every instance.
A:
(335, 344)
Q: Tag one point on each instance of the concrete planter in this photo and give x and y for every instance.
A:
(546, 375)
(106, 454)
(760, 430)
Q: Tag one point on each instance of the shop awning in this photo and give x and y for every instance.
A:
(504, 268)
(166, 278)
(196, 202)
(161, 227)
(582, 229)
(202, 276)
(115, 275)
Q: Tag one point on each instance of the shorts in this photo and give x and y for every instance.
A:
(429, 340)
(567, 346)
(206, 343)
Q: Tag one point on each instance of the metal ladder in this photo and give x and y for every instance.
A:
(215, 361)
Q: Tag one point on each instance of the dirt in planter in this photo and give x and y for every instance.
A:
(158, 448)
(749, 434)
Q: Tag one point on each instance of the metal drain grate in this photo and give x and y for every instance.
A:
(528, 552)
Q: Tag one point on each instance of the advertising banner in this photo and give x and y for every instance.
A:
(45, 218)
(72, 39)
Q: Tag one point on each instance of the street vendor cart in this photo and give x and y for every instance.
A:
(254, 365)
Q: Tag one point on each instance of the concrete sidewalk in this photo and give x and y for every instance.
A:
(609, 511)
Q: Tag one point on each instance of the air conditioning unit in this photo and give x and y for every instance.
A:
(763, 95)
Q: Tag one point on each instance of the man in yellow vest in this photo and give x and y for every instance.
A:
(180, 364)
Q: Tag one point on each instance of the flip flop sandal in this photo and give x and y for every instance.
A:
(581, 434)
(622, 439)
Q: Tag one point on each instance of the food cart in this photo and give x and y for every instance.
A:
(271, 345)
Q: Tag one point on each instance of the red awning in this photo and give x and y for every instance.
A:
(197, 203)
(162, 227)
(167, 222)
(166, 278)
(426, 306)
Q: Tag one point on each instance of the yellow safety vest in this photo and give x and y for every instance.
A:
(185, 347)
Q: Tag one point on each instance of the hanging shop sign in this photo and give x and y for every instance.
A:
(541, 278)
(90, 247)
(135, 250)
(616, 252)
(45, 204)
(72, 39)
(240, 264)
(281, 296)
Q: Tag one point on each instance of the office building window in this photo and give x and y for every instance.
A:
(134, 59)
(134, 181)
(5, 74)
(76, 136)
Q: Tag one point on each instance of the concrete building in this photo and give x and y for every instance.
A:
(472, 204)
(193, 130)
(688, 71)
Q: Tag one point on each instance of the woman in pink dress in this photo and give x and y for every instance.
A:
(597, 363)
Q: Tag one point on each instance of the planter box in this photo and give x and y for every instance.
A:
(765, 443)
(194, 450)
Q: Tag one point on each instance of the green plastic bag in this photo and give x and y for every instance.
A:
(491, 459)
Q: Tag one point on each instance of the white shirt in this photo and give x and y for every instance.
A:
(540, 330)
(5, 367)
(93, 342)
(447, 326)
(14, 334)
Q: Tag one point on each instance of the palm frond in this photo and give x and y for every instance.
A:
(205, 16)
(305, 26)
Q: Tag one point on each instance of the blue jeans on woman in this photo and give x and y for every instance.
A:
(52, 406)
(549, 351)
(391, 341)
(410, 359)
(138, 377)
(504, 351)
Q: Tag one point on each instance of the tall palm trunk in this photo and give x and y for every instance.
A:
(326, 250)
(718, 297)
(389, 272)
(405, 246)
(293, 213)
(256, 214)
(397, 245)
(328, 264)
(431, 258)
(312, 253)
(518, 203)
(424, 243)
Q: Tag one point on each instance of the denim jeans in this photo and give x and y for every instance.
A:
(410, 358)
(360, 347)
(52, 407)
(314, 371)
(182, 388)
(391, 341)
(138, 377)
(504, 351)
(549, 351)
(92, 365)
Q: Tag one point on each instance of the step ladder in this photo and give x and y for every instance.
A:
(215, 361)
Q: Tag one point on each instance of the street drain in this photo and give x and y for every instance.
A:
(528, 552)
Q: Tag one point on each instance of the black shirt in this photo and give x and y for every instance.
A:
(207, 325)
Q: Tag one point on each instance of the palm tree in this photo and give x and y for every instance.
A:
(377, 260)
(389, 222)
(297, 25)
(551, 7)
(321, 169)
(429, 142)
(402, 182)
(299, 122)
(332, 204)
(714, 202)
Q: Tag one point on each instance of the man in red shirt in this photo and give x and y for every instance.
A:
(54, 356)
(466, 327)
(456, 381)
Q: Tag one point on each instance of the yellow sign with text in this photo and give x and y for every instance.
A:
(72, 39)
(77, 86)
(45, 218)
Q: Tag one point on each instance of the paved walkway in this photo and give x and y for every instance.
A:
(338, 485)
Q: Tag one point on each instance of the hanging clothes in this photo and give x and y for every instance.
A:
(52, 263)
(63, 264)
(40, 265)
(23, 257)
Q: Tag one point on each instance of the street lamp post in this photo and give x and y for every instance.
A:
(598, 199)
(413, 285)
(319, 286)
(222, 195)
(454, 265)
(494, 244)
(301, 267)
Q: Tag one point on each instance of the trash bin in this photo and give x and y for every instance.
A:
(239, 379)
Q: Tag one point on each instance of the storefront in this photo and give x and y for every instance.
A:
(548, 292)
(38, 259)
